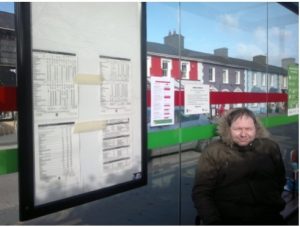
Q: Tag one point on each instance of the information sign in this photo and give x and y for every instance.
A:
(196, 98)
(293, 90)
(82, 102)
(162, 101)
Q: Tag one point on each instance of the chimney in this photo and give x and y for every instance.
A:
(260, 59)
(222, 52)
(174, 40)
(285, 62)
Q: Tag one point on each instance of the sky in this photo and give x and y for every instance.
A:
(245, 28)
(7, 7)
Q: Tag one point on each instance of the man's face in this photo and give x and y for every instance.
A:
(243, 130)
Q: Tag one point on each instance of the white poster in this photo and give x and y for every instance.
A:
(196, 98)
(115, 95)
(86, 86)
(162, 101)
(117, 151)
(58, 161)
(293, 91)
(55, 95)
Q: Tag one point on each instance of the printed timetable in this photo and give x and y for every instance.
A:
(115, 89)
(117, 154)
(55, 101)
(55, 94)
(57, 107)
(58, 161)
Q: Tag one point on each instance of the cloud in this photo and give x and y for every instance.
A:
(274, 33)
(260, 36)
(278, 42)
(229, 21)
(247, 51)
(281, 33)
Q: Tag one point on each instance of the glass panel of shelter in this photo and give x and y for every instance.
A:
(219, 39)
(164, 171)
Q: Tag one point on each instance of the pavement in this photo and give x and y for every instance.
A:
(287, 137)
(165, 200)
(157, 203)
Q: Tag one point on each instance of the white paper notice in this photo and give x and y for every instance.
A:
(162, 101)
(196, 98)
(55, 94)
(58, 162)
(117, 154)
(115, 93)
(55, 100)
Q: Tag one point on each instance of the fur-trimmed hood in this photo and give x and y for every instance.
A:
(223, 129)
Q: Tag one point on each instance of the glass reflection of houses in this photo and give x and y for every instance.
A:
(221, 72)
(7, 50)
(7, 58)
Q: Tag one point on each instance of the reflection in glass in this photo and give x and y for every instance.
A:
(240, 49)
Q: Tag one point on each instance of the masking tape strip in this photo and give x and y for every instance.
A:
(89, 79)
(89, 126)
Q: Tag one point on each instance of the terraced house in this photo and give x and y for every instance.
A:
(221, 72)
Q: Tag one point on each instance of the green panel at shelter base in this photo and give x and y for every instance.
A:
(274, 121)
(160, 139)
(8, 161)
(166, 138)
(163, 138)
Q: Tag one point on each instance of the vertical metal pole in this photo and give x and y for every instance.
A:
(267, 60)
(180, 108)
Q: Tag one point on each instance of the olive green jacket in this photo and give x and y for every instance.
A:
(236, 185)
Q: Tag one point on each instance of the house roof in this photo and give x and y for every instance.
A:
(7, 21)
(166, 50)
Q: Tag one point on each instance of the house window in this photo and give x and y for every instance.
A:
(284, 81)
(272, 84)
(211, 74)
(166, 67)
(237, 77)
(200, 72)
(185, 69)
(254, 79)
(263, 79)
(148, 66)
(225, 76)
